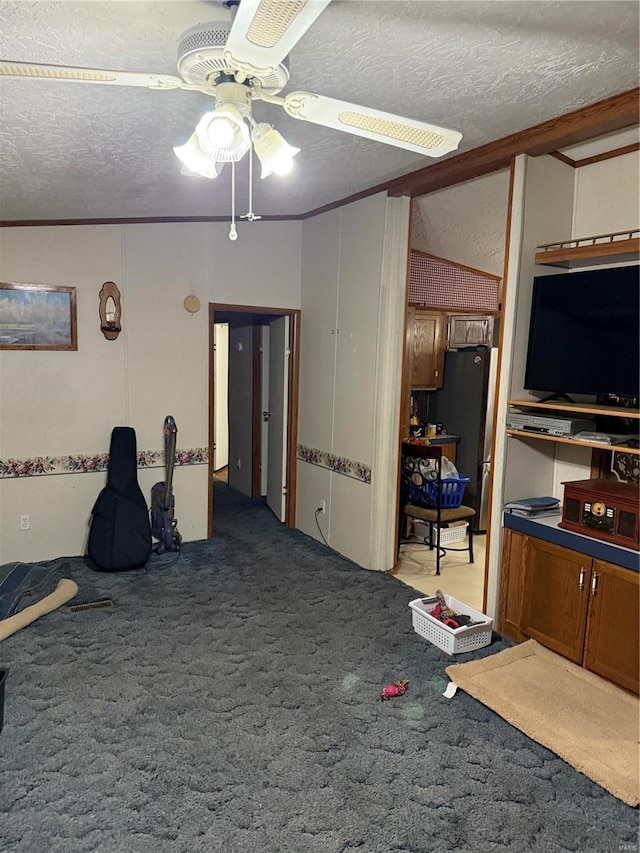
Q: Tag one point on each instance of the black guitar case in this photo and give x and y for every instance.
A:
(120, 533)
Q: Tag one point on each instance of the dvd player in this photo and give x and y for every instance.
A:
(562, 427)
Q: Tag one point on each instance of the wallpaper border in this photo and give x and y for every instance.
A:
(89, 464)
(337, 464)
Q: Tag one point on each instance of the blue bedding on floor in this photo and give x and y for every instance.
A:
(23, 584)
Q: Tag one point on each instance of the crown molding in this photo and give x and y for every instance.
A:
(597, 119)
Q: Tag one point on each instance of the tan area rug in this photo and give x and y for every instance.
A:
(592, 724)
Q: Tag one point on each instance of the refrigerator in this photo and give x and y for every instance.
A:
(464, 406)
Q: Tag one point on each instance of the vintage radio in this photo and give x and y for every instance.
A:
(604, 509)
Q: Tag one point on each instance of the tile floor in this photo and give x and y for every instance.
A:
(458, 577)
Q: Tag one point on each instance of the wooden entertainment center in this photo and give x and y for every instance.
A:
(574, 593)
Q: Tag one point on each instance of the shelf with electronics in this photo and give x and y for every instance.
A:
(571, 409)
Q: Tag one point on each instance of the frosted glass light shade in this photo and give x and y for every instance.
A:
(223, 122)
(195, 160)
(274, 152)
(220, 132)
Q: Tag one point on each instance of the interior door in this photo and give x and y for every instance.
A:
(264, 408)
(220, 386)
(278, 406)
(241, 407)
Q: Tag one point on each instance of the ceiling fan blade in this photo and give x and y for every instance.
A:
(38, 71)
(406, 133)
(264, 32)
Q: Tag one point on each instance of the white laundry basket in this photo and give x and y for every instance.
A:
(448, 535)
(453, 641)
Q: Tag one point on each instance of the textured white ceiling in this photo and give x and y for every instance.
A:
(488, 69)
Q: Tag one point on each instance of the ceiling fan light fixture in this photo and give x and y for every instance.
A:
(220, 132)
(223, 135)
(273, 151)
(195, 161)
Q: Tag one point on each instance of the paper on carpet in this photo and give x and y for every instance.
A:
(590, 723)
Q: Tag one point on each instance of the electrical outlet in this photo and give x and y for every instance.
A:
(25, 523)
(322, 506)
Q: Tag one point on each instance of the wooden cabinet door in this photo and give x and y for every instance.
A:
(556, 594)
(511, 585)
(450, 450)
(427, 336)
(613, 638)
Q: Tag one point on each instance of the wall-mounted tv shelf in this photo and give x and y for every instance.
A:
(589, 251)
(576, 408)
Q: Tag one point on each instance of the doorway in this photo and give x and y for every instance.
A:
(264, 355)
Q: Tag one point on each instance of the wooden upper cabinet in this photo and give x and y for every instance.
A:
(613, 636)
(556, 594)
(426, 333)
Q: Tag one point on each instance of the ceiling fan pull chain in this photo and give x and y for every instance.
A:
(233, 234)
(250, 214)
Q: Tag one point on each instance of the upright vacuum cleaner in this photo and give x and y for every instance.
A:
(164, 524)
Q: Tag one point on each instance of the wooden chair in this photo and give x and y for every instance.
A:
(429, 497)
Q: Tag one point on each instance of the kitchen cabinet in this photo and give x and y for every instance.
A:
(581, 607)
(426, 343)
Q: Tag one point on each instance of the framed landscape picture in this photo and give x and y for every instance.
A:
(38, 316)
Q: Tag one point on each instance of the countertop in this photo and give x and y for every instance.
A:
(547, 529)
(438, 439)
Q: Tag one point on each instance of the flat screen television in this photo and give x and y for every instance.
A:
(584, 333)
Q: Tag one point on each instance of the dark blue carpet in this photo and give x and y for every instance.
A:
(229, 702)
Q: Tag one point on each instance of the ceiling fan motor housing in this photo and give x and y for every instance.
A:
(201, 58)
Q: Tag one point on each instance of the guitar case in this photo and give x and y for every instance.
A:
(120, 532)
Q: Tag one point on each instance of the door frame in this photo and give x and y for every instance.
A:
(292, 404)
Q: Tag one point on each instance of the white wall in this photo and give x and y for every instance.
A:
(342, 252)
(343, 284)
(66, 403)
(606, 196)
(465, 223)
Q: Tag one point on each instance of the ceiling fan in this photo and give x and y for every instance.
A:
(241, 61)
